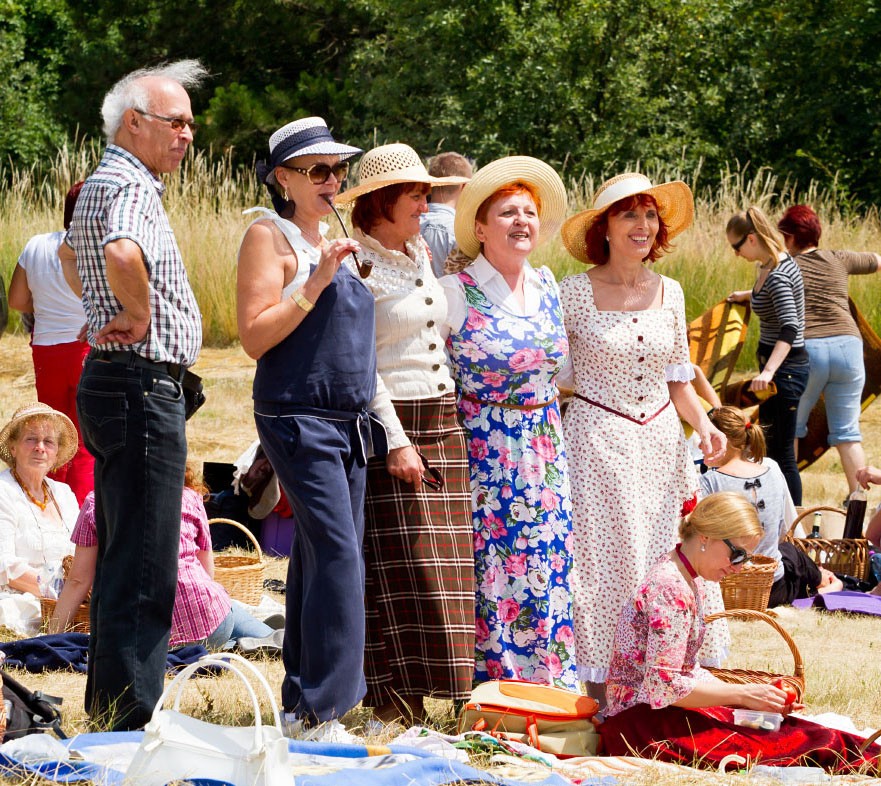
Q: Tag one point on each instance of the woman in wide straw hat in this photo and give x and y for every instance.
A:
(417, 539)
(507, 343)
(37, 514)
(778, 299)
(630, 467)
(308, 321)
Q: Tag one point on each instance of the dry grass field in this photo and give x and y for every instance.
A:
(842, 653)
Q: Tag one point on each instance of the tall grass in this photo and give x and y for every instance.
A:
(206, 198)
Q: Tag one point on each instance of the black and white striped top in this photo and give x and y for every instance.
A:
(780, 305)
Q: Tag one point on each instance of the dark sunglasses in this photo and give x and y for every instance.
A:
(176, 123)
(431, 476)
(319, 174)
(736, 246)
(738, 555)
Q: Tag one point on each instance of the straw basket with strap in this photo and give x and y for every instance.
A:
(751, 587)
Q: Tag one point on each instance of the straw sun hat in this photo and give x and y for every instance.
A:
(390, 164)
(502, 172)
(67, 438)
(675, 204)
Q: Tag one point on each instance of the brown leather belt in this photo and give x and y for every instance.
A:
(504, 405)
(621, 414)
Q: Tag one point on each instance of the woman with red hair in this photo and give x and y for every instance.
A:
(631, 470)
(832, 338)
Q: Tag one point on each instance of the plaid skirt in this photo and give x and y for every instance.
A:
(420, 566)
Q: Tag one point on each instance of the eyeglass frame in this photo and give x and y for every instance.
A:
(330, 171)
(172, 121)
(434, 480)
(739, 244)
(738, 555)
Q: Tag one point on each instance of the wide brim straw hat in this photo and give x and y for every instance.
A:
(489, 179)
(388, 165)
(306, 137)
(674, 200)
(67, 436)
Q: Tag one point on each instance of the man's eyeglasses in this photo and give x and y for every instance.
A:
(738, 555)
(319, 174)
(176, 123)
(736, 246)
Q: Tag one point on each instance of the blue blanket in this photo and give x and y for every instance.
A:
(63, 651)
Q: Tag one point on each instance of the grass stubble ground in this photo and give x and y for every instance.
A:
(842, 653)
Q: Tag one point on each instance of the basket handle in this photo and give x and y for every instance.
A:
(869, 740)
(238, 525)
(809, 512)
(748, 614)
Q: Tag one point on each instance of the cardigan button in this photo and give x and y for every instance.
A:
(432, 346)
(430, 323)
(429, 301)
(442, 386)
(419, 282)
(435, 367)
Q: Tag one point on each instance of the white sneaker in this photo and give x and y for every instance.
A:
(270, 644)
(330, 731)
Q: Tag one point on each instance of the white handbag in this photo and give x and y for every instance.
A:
(176, 746)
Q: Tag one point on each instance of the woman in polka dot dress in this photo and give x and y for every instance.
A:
(630, 470)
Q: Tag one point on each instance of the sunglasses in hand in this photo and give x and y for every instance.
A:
(431, 476)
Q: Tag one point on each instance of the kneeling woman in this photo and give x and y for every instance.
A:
(661, 703)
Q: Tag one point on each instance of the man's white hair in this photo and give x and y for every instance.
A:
(130, 93)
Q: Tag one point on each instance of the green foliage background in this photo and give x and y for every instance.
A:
(588, 85)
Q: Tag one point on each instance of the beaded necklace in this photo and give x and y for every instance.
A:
(47, 493)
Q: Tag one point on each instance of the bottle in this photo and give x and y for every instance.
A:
(818, 520)
(856, 514)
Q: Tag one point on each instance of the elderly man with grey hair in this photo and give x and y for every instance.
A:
(144, 327)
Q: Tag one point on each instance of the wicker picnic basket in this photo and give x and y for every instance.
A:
(751, 587)
(745, 676)
(840, 555)
(240, 574)
(80, 620)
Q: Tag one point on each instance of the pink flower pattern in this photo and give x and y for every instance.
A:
(518, 463)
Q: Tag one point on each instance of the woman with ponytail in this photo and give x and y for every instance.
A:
(745, 468)
(778, 299)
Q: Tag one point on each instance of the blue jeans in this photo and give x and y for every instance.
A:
(778, 415)
(838, 373)
(133, 423)
(239, 622)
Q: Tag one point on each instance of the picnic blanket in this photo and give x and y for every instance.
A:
(105, 755)
(846, 600)
(68, 651)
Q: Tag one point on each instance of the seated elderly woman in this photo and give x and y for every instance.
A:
(661, 703)
(203, 611)
(36, 514)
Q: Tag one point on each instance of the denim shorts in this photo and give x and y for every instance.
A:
(838, 373)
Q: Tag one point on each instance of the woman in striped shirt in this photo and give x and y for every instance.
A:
(778, 299)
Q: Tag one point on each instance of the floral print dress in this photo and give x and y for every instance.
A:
(505, 366)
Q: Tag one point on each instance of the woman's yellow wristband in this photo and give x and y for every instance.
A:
(302, 301)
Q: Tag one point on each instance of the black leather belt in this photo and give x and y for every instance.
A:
(134, 360)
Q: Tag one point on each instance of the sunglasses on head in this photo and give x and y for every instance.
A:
(738, 555)
(736, 246)
(319, 174)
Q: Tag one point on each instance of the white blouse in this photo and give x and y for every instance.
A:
(410, 308)
(30, 540)
(493, 285)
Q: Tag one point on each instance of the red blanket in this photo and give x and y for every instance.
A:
(706, 736)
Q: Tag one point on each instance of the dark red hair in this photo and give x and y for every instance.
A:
(508, 190)
(595, 238)
(70, 202)
(800, 222)
(371, 208)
